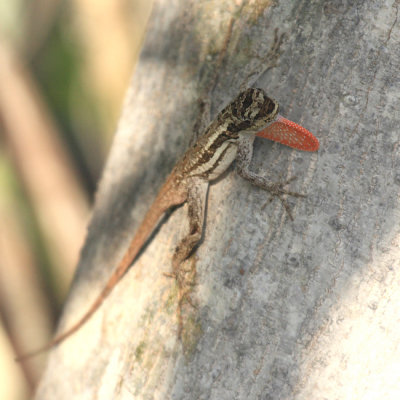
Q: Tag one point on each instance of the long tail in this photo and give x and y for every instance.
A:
(168, 197)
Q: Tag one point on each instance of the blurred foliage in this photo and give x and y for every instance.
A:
(14, 195)
(58, 67)
(76, 59)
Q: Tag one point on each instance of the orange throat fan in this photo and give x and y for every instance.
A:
(290, 134)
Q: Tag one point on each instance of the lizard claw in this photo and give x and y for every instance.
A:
(276, 190)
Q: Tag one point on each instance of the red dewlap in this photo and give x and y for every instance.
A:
(290, 134)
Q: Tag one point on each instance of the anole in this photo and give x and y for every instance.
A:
(230, 136)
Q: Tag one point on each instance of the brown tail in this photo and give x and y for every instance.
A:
(168, 196)
(64, 335)
(116, 276)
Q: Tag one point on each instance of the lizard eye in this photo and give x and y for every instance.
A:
(251, 110)
(256, 105)
(271, 107)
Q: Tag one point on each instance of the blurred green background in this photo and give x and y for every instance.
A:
(64, 70)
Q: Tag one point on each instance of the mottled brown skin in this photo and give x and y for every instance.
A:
(230, 136)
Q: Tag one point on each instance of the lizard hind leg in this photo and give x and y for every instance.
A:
(184, 267)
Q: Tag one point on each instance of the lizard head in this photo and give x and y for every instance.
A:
(251, 111)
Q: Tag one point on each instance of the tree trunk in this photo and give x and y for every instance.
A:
(285, 310)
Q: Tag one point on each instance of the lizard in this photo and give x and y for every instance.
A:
(230, 136)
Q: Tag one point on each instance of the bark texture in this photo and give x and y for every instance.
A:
(286, 310)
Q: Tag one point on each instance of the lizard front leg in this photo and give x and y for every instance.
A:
(243, 160)
(185, 272)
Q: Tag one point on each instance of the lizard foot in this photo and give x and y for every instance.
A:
(277, 190)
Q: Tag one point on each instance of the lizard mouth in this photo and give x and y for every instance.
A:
(289, 133)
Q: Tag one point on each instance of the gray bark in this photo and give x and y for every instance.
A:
(286, 310)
